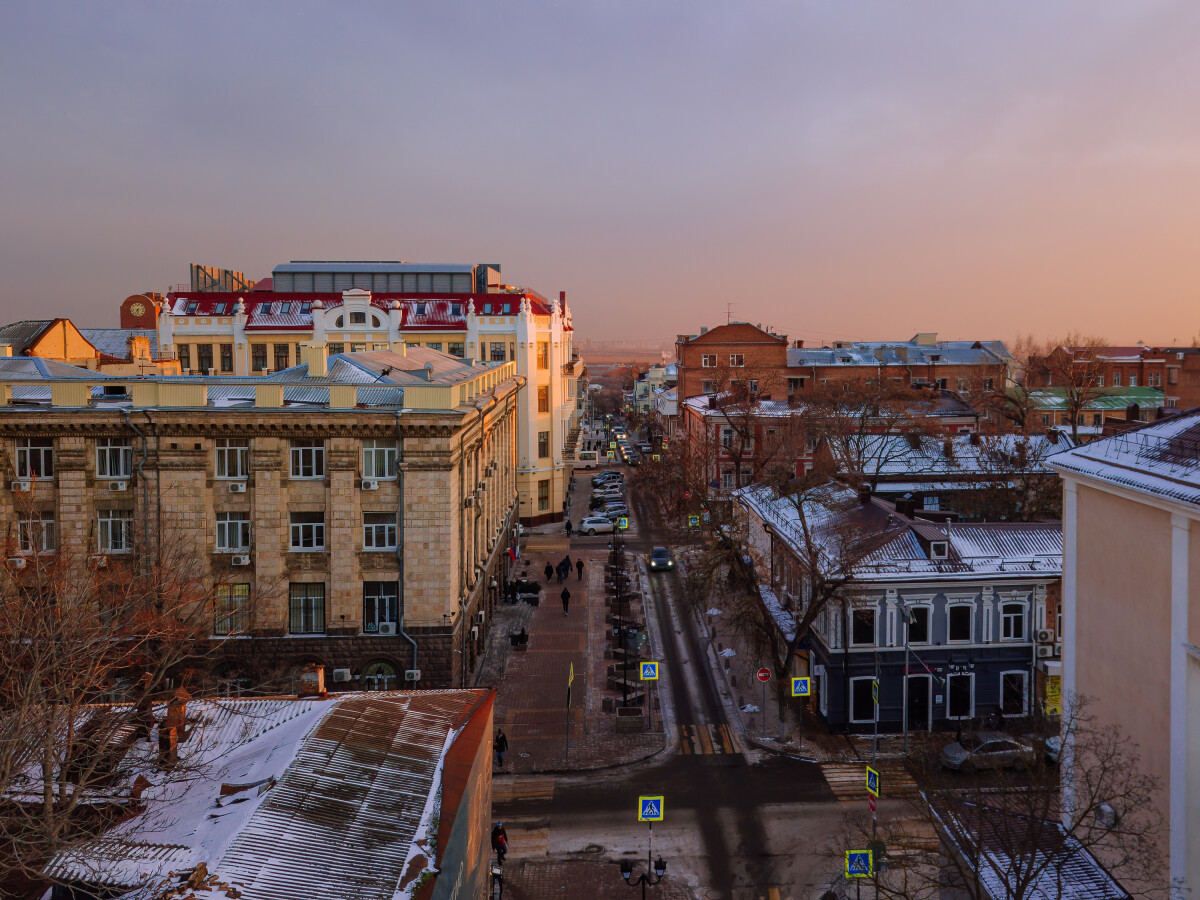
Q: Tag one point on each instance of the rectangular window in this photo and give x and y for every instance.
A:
(204, 357)
(543, 355)
(258, 357)
(227, 357)
(114, 458)
(379, 459)
(230, 608)
(963, 386)
(960, 696)
(1097, 419)
(543, 395)
(1133, 381)
(185, 356)
(543, 495)
(918, 628)
(231, 456)
(192, 306)
(960, 628)
(862, 628)
(456, 348)
(1046, 420)
(708, 387)
(336, 348)
(219, 309)
(435, 345)
(1172, 376)
(737, 360)
(306, 608)
(308, 459)
(708, 361)
(543, 444)
(358, 318)
(989, 384)
(233, 532)
(308, 531)
(497, 351)
(1012, 622)
(727, 479)
(795, 384)
(1116, 379)
(35, 458)
(1012, 693)
(285, 308)
(456, 309)
(1099, 381)
(379, 531)
(726, 438)
(114, 531)
(282, 355)
(862, 700)
(752, 385)
(35, 533)
(381, 603)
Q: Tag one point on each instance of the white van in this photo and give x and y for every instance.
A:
(587, 459)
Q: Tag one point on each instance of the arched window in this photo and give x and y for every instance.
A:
(374, 321)
(340, 323)
(380, 676)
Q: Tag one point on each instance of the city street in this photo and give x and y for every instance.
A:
(739, 822)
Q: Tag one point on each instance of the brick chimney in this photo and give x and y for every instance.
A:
(168, 745)
(312, 682)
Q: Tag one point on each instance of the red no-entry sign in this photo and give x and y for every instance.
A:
(764, 674)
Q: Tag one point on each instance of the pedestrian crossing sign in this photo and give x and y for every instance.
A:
(649, 671)
(872, 782)
(612, 445)
(611, 455)
(801, 687)
(656, 457)
(650, 809)
(859, 864)
(623, 522)
(693, 521)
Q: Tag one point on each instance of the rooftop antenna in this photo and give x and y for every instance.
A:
(728, 312)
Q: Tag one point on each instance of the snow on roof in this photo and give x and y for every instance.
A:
(333, 793)
(115, 341)
(900, 353)
(1161, 459)
(886, 455)
(1106, 398)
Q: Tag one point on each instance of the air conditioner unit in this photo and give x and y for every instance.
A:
(17, 562)
(241, 560)
(468, 502)
(370, 485)
(237, 487)
(340, 675)
(387, 628)
(22, 485)
(412, 674)
(1106, 816)
(474, 633)
(1058, 649)
(118, 486)
(1045, 635)
(1045, 651)
(481, 617)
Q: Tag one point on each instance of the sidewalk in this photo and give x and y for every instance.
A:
(574, 879)
(531, 700)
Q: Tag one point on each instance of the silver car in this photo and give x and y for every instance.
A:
(988, 750)
(595, 525)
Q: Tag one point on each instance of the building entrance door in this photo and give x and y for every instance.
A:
(920, 688)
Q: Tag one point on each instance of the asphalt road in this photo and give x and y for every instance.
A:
(738, 825)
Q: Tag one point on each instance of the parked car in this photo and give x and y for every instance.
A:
(595, 525)
(613, 511)
(646, 449)
(660, 559)
(607, 475)
(988, 750)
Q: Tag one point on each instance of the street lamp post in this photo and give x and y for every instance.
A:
(660, 870)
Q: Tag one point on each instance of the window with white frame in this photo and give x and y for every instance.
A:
(1012, 621)
(1132, 380)
(35, 458)
(727, 479)
(708, 361)
(308, 459)
(379, 459)
(230, 608)
(114, 531)
(379, 531)
(35, 533)
(308, 531)
(306, 608)
(862, 627)
(863, 707)
(708, 387)
(939, 549)
(918, 627)
(752, 385)
(381, 603)
(726, 438)
(960, 696)
(231, 455)
(737, 360)
(114, 458)
(1013, 693)
(1099, 381)
(960, 627)
(233, 532)
(1116, 379)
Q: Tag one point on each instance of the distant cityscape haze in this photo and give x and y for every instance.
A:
(836, 171)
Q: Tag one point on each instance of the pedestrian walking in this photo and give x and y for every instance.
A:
(568, 529)
(500, 842)
(579, 567)
(501, 745)
(549, 572)
(566, 599)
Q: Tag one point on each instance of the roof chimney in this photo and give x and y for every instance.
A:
(312, 682)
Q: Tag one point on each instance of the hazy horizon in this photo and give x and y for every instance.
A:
(864, 171)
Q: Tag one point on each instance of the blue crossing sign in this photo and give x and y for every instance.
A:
(623, 522)
(693, 521)
(802, 687)
(872, 782)
(860, 864)
(649, 671)
(650, 809)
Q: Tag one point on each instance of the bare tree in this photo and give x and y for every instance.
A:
(1073, 366)
(1005, 835)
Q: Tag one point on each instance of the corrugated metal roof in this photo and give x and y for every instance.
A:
(20, 335)
(363, 267)
(115, 341)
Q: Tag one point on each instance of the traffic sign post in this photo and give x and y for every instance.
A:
(622, 522)
(764, 675)
(802, 686)
(649, 671)
(860, 864)
(872, 783)
(650, 809)
(693, 521)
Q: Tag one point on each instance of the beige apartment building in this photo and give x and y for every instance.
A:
(352, 512)
(1131, 619)
(352, 307)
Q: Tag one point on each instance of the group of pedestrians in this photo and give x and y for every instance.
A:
(563, 571)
